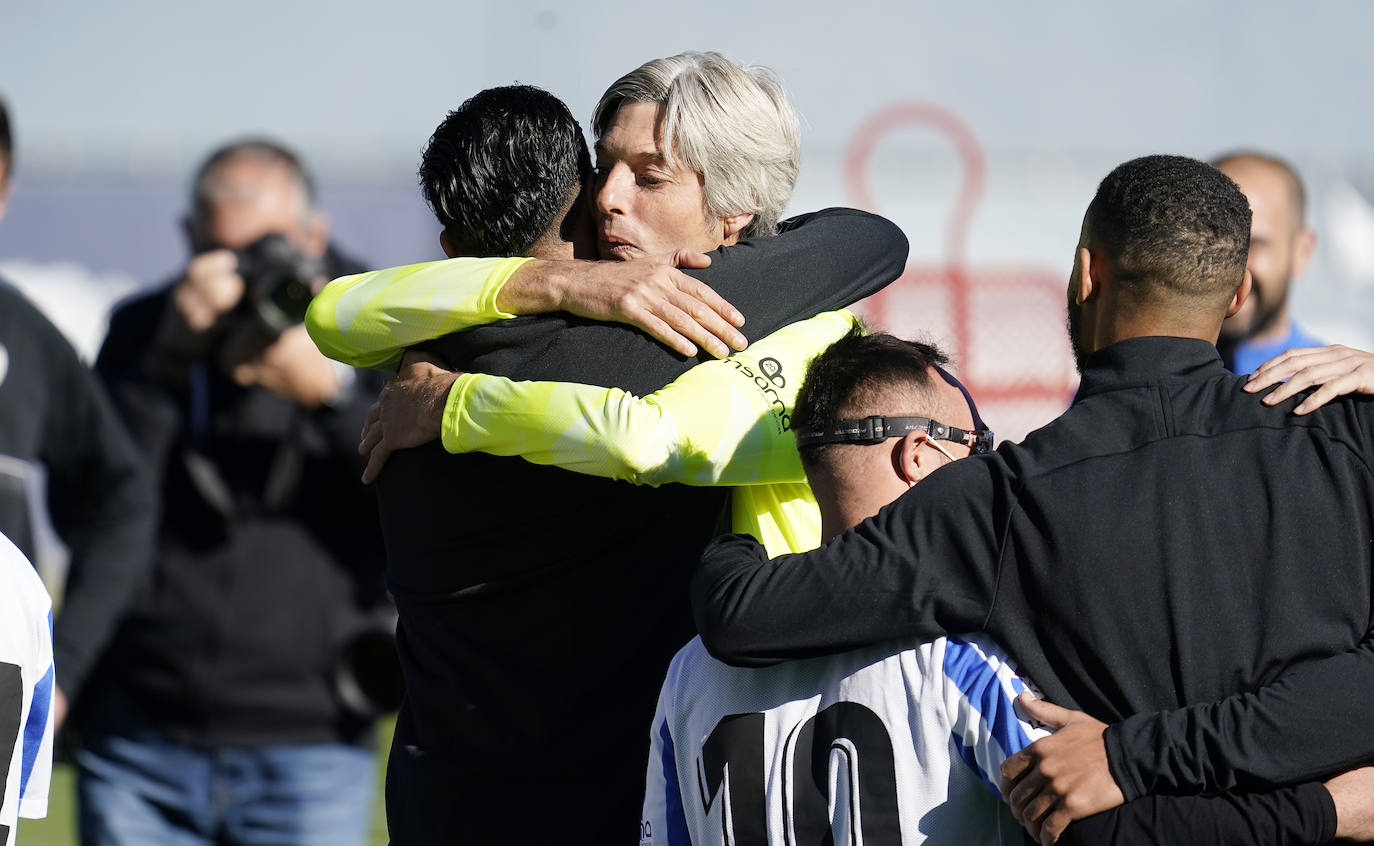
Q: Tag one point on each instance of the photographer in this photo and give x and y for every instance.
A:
(218, 712)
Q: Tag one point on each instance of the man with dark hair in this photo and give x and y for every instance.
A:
(539, 609)
(218, 714)
(859, 372)
(1099, 551)
(1281, 245)
(500, 200)
(926, 725)
(704, 428)
(55, 415)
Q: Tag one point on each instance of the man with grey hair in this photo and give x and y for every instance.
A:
(735, 144)
(214, 716)
(725, 172)
(547, 605)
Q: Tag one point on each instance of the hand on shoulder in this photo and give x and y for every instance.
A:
(1334, 370)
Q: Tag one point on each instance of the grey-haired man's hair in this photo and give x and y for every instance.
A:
(205, 183)
(734, 124)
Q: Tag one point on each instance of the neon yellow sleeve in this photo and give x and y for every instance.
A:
(368, 319)
(784, 517)
(721, 423)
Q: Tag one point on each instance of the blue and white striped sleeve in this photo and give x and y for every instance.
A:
(663, 822)
(981, 687)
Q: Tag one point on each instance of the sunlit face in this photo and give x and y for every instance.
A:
(1274, 233)
(641, 206)
(254, 198)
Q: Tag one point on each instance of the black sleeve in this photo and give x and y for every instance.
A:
(103, 505)
(923, 566)
(818, 262)
(1303, 815)
(1310, 722)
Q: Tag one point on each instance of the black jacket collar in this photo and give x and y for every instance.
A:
(1140, 361)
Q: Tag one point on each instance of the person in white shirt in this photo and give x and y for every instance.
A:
(897, 743)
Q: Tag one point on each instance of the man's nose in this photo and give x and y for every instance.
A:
(611, 194)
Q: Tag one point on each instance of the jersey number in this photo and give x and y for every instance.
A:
(732, 759)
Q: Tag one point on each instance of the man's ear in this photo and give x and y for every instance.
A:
(446, 245)
(733, 225)
(911, 462)
(1088, 275)
(1242, 293)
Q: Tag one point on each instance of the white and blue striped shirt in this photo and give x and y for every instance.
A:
(26, 689)
(890, 744)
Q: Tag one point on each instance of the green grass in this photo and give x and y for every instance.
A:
(59, 829)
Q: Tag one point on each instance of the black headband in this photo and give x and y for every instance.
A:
(876, 429)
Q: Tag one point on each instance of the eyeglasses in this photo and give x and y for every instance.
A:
(876, 429)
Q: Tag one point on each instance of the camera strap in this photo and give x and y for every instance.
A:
(283, 474)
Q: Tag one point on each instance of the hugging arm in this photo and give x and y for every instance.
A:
(1290, 816)
(901, 573)
(817, 262)
(1306, 724)
(720, 423)
(1315, 720)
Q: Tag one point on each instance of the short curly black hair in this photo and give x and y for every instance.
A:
(858, 373)
(1172, 228)
(498, 171)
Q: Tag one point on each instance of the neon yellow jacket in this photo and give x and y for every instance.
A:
(368, 319)
(721, 423)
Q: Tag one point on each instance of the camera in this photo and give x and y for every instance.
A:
(277, 280)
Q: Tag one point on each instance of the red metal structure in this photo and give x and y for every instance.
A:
(1003, 326)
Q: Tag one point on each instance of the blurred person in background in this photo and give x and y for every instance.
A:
(217, 715)
(56, 420)
(1281, 245)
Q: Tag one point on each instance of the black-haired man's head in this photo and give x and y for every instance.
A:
(503, 171)
(862, 376)
(1169, 236)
